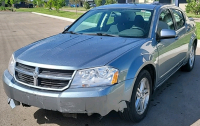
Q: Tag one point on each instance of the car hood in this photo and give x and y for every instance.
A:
(75, 51)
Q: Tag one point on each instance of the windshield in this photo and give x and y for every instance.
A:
(114, 22)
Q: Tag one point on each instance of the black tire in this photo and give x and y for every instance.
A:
(130, 113)
(188, 66)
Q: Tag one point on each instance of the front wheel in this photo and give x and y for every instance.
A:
(190, 64)
(138, 106)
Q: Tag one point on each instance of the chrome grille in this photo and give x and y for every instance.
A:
(43, 78)
(25, 67)
(60, 73)
(24, 78)
(48, 83)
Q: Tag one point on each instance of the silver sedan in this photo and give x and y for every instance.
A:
(113, 57)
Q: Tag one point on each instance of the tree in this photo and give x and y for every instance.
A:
(63, 2)
(2, 2)
(34, 2)
(11, 2)
(57, 4)
(14, 1)
(110, 2)
(40, 3)
(193, 6)
(98, 2)
(86, 5)
(75, 2)
(26, 1)
(8, 2)
(49, 4)
(71, 1)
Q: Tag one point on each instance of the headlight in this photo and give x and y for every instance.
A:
(11, 65)
(99, 76)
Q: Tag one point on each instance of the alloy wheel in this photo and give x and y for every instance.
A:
(191, 59)
(142, 96)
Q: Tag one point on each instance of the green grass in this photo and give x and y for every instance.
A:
(198, 29)
(74, 8)
(51, 12)
(6, 8)
(192, 15)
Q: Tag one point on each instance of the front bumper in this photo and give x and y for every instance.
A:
(99, 100)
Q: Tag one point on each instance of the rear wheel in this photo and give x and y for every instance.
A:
(190, 64)
(138, 106)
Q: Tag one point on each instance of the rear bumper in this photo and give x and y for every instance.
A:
(99, 100)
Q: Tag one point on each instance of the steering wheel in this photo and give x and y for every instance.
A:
(135, 27)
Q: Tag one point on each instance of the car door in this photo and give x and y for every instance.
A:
(183, 34)
(167, 48)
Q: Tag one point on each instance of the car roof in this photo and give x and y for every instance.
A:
(131, 6)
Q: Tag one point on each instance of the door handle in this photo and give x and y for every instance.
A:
(176, 37)
(188, 29)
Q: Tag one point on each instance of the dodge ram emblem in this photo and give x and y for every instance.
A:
(35, 76)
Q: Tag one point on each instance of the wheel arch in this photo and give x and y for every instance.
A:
(129, 113)
(150, 67)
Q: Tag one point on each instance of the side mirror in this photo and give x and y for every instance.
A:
(66, 27)
(191, 19)
(167, 33)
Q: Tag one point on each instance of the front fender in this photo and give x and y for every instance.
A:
(131, 63)
(134, 70)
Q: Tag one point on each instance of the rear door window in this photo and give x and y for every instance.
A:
(179, 18)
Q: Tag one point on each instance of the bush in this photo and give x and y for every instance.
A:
(110, 2)
(86, 5)
(49, 4)
(2, 8)
(193, 6)
(98, 2)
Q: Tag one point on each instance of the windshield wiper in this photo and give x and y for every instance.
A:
(104, 34)
(71, 32)
(101, 34)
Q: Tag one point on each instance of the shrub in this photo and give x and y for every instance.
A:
(193, 6)
(2, 8)
(110, 2)
(98, 2)
(49, 4)
(40, 3)
(86, 5)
